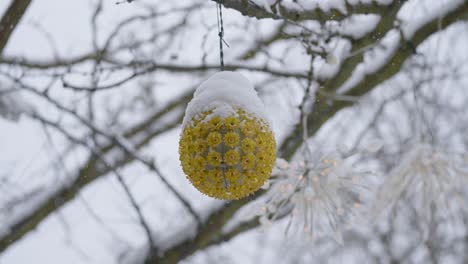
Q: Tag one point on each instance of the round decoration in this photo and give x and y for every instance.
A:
(227, 148)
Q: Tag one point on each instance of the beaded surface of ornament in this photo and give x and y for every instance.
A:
(227, 158)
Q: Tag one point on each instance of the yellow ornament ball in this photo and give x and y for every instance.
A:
(227, 162)
(226, 151)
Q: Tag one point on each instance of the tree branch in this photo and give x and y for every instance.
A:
(385, 24)
(211, 233)
(208, 235)
(10, 20)
(324, 107)
(168, 117)
(279, 11)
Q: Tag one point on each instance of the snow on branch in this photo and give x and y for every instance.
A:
(401, 42)
(318, 10)
(390, 60)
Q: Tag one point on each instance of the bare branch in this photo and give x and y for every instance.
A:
(166, 118)
(10, 20)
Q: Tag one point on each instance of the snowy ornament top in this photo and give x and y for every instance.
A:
(221, 94)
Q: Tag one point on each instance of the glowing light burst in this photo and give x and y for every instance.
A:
(320, 196)
(431, 180)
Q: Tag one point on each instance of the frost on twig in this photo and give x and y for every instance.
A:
(429, 179)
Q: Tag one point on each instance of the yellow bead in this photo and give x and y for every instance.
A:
(200, 146)
(248, 161)
(231, 122)
(214, 158)
(261, 171)
(262, 157)
(231, 157)
(188, 134)
(232, 175)
(248, 145)
(199, 163)
(191, 148)
(214, 138)
(215, 176)
(199, 130)
(215, 123)
(261, 141)
(248, 129)
(231, 139)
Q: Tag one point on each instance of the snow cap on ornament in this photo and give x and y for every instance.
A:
(227, 148)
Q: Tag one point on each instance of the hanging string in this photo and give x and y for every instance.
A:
(219, 16)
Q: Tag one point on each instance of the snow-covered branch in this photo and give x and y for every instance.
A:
(321, 11)
(380, 73)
